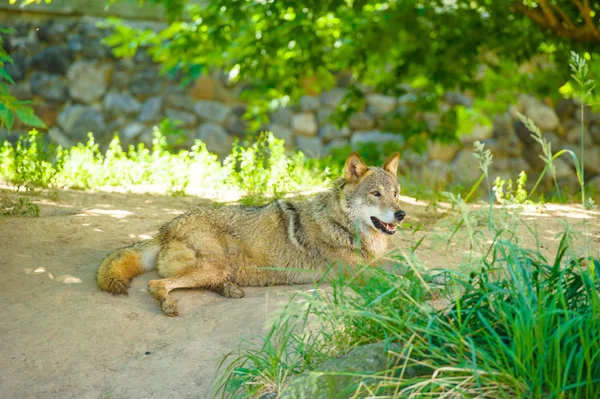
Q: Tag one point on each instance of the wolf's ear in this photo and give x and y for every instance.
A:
(391, 165)
(354, 168)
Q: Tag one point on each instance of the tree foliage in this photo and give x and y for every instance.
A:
(286, 46)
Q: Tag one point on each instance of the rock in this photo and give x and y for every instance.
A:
(379, 105)
(146, 83)
(58, 137)
(88, 81)
(573, 135)
(48, 86)
(376, 137)
(310, 146)
(436, 174)
(562, 168)
(594, 184)
(282, 133)
(18, 69)
(186, 118)
(564, 108)
(408, 98)
(77, 120)
(132, 131)
(212, 111)
(309, 103)
(281, 116)
(361, 121)
(150, 110)
(53, 59)
(94, 50)
(236, 125)
(444, 152)
(209, 88)
(432, 119)
(343, 374)
(591, 160)
(595, 134)
(323, 115)
(333, 97)
(120, 80)
(465, 167)
(479, 133)
(21, 90)
(414, 159)
(47, 112)
(331, 132)
(216, 138)
(454, 98)
(305, 124)
(178, 99)
(117, 105)
(74, 44)
(541, 114)
(53, 32)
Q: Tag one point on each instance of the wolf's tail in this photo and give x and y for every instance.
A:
(120, 267)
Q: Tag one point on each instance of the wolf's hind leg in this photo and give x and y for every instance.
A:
(203, 276)
(229, 289)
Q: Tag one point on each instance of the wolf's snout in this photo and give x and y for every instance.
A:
(399, 215)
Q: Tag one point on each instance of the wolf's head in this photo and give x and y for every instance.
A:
(371, 194)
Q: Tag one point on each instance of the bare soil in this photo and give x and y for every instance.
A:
(60, 337)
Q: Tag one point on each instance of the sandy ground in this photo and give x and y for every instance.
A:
(60, 337)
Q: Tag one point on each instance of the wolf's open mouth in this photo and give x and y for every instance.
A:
(387, 228)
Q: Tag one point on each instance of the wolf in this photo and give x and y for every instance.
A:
(285, 242)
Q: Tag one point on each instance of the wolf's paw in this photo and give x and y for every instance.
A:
(169, 307)
(231, 290)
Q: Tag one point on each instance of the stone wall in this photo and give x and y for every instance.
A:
(78, 86)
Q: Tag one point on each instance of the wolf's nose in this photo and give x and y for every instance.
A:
(399, 215)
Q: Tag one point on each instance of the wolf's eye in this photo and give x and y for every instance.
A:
(376, 193)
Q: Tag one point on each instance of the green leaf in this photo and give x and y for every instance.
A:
(6, 76)
(27, 116)
(8, 119)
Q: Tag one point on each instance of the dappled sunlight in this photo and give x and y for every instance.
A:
(68, 279)
(115, 213)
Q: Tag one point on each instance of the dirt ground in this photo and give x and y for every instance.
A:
(60, 337)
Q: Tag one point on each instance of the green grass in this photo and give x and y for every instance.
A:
(257, 170)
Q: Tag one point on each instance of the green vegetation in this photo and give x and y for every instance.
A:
(258, 170)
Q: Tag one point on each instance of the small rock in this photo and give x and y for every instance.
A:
(479, 133)
(444, 152)
(541, 114)
(305, 124)
(564, 108)
(53, 32)
(333, 97)
(310, 146)
(120, 80)
(407, 99)
(454, 98)
(323, 115)
(18, 69)
(309, 103)
(212, 111)
(48, 86)
(132, 131)
(281, 116)
(53, 59)
(95, 50)
(88, 81)
(216, 138)
(58, 137)
(361, 121)
(177, 98)
(209, 88)
(186, 118)
(150, 110)
(379, 105)
(563, 169)
(282, 133)
(375, 136)
(573, 135)
(77, 120)
(595, 134)
(236, 125)
(436, 175)
(21, 90)
(465, 167)
(432, 119)
(146, 83)
(117, 104)
(331, 132)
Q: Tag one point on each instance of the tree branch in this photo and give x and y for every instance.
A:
(584, 9)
